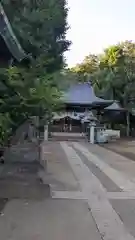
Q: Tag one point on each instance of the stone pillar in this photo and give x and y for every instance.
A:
(31, 132)
(128, 123)
(43, 160)
(46, 132)
(92, 134)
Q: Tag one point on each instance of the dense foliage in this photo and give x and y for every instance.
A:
(40, 27)
(33, 89)
(112, 73)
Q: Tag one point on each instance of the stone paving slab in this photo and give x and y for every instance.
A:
(118, 162)
(121, 195)
(104, 179)
(86, 203)
(124, 147)
(126, 210)
(22, 181)
(108, 222)
(50, 220)
(122, 202)
(59, 173)
(121, 179)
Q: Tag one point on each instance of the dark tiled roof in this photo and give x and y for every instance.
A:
(115, 107)
(83, 94)
(6, 33)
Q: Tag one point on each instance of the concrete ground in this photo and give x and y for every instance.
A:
(19, 176)
(48, 219)
(92, 196)
(124, 147)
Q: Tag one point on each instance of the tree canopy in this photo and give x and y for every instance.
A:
(112, 73)
(40, 27)
(33, 89)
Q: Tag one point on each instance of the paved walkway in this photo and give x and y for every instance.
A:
(92, 197)
(108, 190)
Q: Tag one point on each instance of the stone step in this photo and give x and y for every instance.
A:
(60, 139)
(61, 136)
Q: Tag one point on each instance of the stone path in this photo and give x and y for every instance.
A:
(92, 197)
(101, 181)
(124, 147)
(51, 219)
(59, 174)
(108, 222)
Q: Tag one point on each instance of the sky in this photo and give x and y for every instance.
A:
(96, 24)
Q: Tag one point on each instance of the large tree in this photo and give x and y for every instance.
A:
(40, 27)
(85, 69)
(112, 73)
(118, 65)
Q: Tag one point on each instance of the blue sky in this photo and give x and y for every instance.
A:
(96, 24)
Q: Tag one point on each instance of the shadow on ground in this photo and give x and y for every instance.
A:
(19, 178)
(21, 181)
